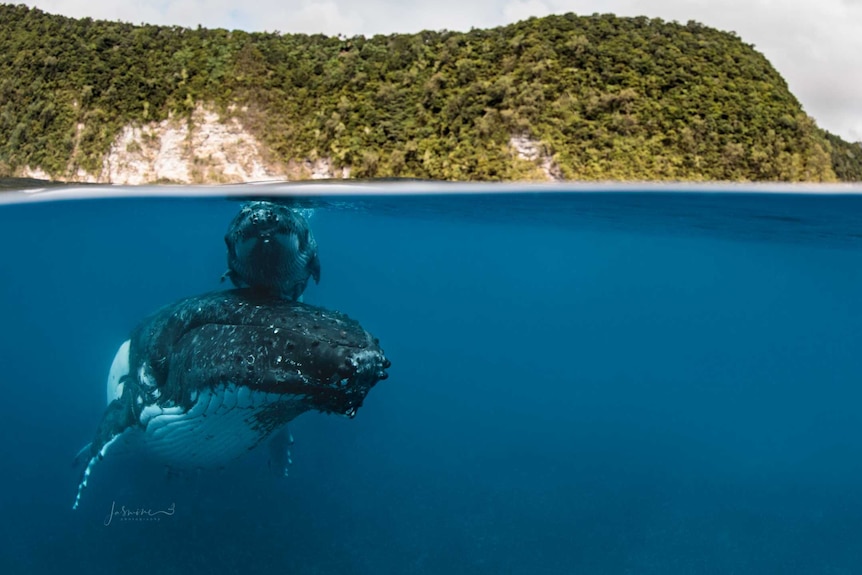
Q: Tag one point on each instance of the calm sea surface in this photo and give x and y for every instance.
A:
(632, 382)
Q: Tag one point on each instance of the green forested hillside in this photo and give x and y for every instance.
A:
(608, 97)
(846, 158)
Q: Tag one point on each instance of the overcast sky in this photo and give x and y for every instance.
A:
(815, 44)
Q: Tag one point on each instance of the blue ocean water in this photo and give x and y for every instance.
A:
(633, 383)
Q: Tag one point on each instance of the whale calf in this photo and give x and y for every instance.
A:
(208, 378)
(270, 248)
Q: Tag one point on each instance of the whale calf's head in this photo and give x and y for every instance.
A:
(270, 247)
(321, 358)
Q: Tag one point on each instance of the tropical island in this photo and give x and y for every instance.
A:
(557, 98)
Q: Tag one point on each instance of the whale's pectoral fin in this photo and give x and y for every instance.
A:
(82, 456)
(279, 452)
(232, 276)
(314, 268)
(118, 417)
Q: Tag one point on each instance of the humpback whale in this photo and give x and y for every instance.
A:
(270, 248)
(208, 378)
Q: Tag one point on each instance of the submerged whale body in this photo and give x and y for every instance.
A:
(271, 249)
(208, 378)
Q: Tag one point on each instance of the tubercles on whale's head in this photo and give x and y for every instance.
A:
(359, 372)
(280, 347)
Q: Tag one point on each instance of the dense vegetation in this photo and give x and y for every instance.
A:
(846, 158)
(609, 98)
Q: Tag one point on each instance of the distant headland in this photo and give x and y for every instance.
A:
(557, 98)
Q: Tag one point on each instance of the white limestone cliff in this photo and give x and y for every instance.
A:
(205, 149)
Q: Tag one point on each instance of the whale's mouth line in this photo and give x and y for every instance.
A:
(253, 232)
(339, 390)
(310, 391)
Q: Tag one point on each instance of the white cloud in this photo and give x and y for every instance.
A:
(323, 16)
(816, 45)
(523, 9)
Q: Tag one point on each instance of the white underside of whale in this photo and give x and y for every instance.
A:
(119, 369)
(221, 425)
